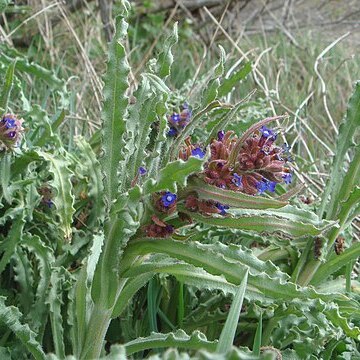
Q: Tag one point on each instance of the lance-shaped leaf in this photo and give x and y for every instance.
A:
(345, 141)
(228, 84)
(232, 198)
(115, 105)
(263, 221)
(10, 316)
(195, 341)
(6, 88)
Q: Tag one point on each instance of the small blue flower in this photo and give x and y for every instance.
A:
(175, 117)
(221, 135)
(172, 132)
(142, 170)
(222, 208)
(237, 180)
(9, 123)
(266, 132)
(272, 186)
(168, 199)
(198, 153)
(287, 178)
(262, 186)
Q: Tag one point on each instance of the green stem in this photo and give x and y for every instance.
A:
(99, 322)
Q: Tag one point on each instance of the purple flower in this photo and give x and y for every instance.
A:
(221, 135)
(237, 180)
(172, 132)
(287, 178)
(198, 153)
(266, 132)
(10, 123)
(168, 199)
(222, 208)
(142, 170)
(10, 131)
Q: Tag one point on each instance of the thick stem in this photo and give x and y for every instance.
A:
(99, 322)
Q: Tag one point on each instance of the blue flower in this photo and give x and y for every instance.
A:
(168, 199)
(237, 180)
(172, 132)
(9, 122)
(262, 186)
(175, 117)
(272, 186)
(266, 132)
(222, 208)
(197, 152)
(221, 135)
(142, 170)
(287, 178)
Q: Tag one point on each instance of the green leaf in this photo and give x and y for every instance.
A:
(345, 142)
(5, 175)
(61, 182)
(12, 240)
(232, 198)
(44, 254)
(7, 86)
(175, 173)
(115, 105)
(178, 339)
(165, 58)
(10, 316)
(228, 84)
(228, 332)
(335, 263)
(257, 338)
(261, 221)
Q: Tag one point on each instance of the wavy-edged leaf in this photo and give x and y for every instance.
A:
(175, 173)
(232, 198)
(44, 254)
(10, 316)
(96, 187)
(165, 58)
(13, 239)
(195, 341)
(61, 182)
(115, 105)
(347, 129)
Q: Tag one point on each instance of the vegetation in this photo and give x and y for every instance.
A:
(173, 212)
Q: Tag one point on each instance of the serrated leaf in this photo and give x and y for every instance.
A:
(10, 316)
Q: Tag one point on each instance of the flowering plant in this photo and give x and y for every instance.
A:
(152, 232)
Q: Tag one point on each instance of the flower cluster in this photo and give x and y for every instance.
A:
(258, 167)
(158, 228)
(178, 121)
(10, 131)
